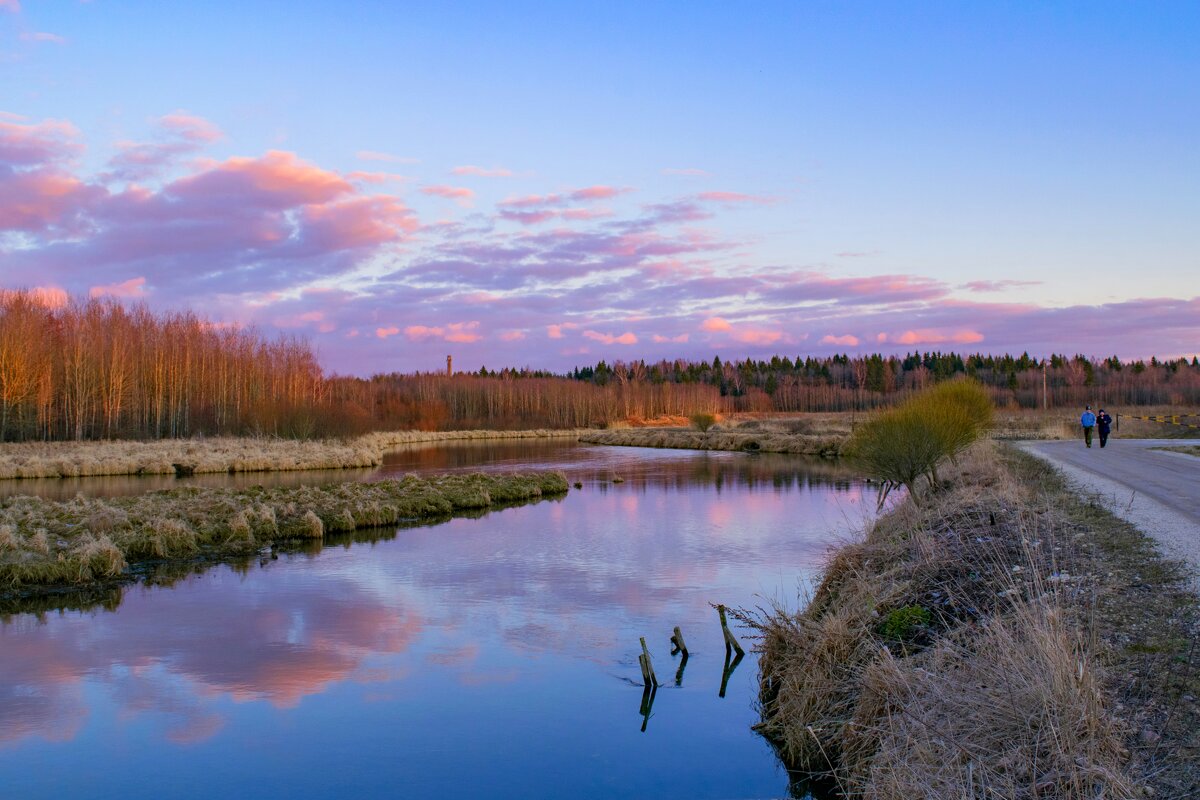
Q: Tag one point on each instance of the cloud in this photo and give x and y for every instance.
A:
(460, 332)
(841, 341)
(996, 286)
(192, 127)
(604, 338)
(383, 333)
(680, 339)
(11, 5)
(459, 194)
(482, 172)
(374, 155)
(733, 197)
(43, 143)
(512, 336)
(556, 331)
(42, 36)
(715, 324)
(938, 337)
(757, 336)
(134, 287)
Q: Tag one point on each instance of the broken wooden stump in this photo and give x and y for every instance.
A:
(730, 641)
(648, 676)
(677, 645)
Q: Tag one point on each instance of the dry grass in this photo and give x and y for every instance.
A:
(246, 454)
(1191, 450)
(942, 655)
(755, 437)
(48, 543)
(1063, 423)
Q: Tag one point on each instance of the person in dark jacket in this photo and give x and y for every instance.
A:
(1103, 426)
(1088, 421)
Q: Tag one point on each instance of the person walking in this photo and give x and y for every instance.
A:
(1103, 426)
(1088, 421)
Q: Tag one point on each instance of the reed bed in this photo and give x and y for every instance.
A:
(946, 654)
(223, 454)
(45, 543)
(738, 440)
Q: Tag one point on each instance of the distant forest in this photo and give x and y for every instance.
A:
(97, 369)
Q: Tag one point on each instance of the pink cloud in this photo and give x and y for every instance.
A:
(25, 144)
(732, 197)
(383, 333)
(461, 332)
(596, 193)
(604, 338)
(356, 222)
(840, 341)
(715, 324)
(375, 155)
(756, 336)
(192, 127)
(134, 287)
(512, 336)
(459, 194)
(938, 337)
(278, 179)
(556, 331)
(482, 172)
(680, 339)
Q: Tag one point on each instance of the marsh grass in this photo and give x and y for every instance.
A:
(50, 543)
(223, 454)
(998, 691)
(755, 435)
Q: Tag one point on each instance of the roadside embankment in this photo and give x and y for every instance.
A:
(223, 454)
(754, 441)
(46, 544)
(1006, 638)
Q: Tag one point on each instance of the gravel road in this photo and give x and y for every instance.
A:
(1157, 491)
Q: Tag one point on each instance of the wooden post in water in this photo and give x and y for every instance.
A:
(730, 641)
(677, 642)
(648, 676)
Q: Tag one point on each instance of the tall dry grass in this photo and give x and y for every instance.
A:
(50, 543)
(946, 655)
(226, 454)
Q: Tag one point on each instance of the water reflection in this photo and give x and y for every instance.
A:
(494, 655)
(590, 464)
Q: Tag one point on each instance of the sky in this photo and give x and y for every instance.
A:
(552, 184)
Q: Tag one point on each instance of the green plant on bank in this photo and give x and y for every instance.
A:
(904, 624)
(703, 421)
(900, 446)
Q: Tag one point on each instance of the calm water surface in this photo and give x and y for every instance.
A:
(488, 657)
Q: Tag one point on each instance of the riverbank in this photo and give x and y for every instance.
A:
(1009, 638)
(717, 440)
(48, 545)
(224, 454)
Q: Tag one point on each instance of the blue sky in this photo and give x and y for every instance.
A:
(836, 173)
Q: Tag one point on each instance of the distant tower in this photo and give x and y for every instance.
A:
(449, 367)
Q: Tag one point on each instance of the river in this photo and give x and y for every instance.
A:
(481, 657)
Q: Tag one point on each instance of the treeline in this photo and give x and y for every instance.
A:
(842, 383)
(92, 369)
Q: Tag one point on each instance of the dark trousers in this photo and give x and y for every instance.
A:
(1103, 436)
(1087, 435)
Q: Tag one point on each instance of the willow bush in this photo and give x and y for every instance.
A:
(901, 445)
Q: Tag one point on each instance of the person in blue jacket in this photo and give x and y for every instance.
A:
(1088, 421)
(1103, 426)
